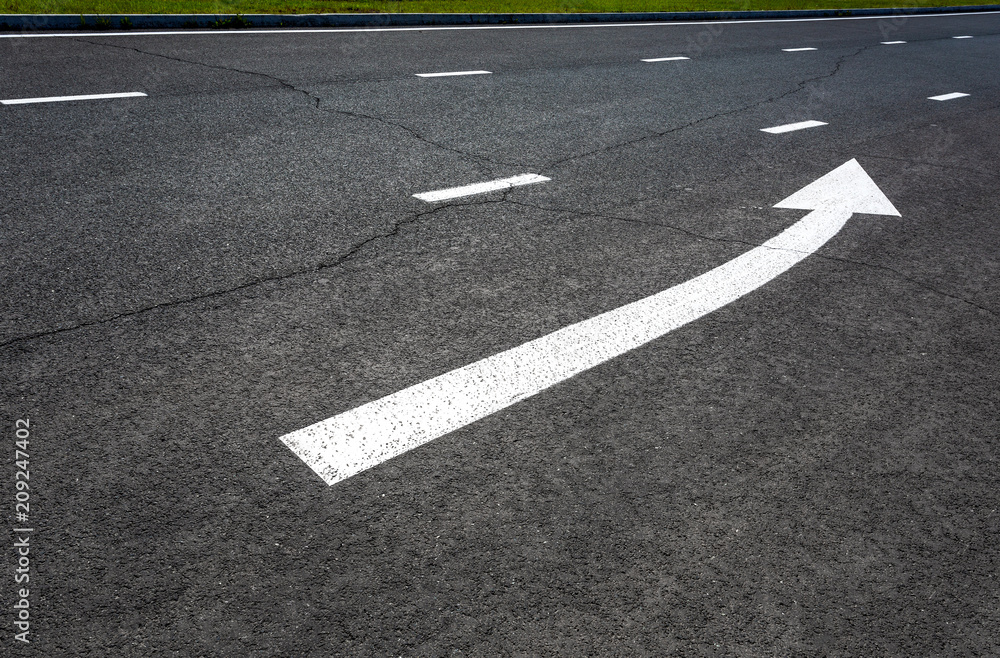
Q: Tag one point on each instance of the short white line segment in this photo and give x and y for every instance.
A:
(480, 188)
(797, 50)
(361, 438)
(891, 43)
(947, 97)
(789, 127)
(666, 59)
(965, 36)
(59, 99)
(450, 73)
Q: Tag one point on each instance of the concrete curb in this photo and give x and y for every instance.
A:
(90, 22)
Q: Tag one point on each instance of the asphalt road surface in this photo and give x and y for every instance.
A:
(191, 274)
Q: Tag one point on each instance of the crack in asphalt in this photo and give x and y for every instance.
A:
(657, 135)
(913, 162)
(318, 105)
(413, 133)
(397, 226)
(352, 251)
(317, 100)
(935, 150)
(737, 241)
(345, 256)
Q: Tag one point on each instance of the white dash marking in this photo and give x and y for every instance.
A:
(789, 127)
(480, 188)
(947, 97)
(346, 444)
(449, 73)
(891, 43)
(797, 50)
(666, 59)
(59, 99)
(964, 36)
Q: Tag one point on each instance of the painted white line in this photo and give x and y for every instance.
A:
(966, 36)
(891, 43)
(789, 127)
(563, 26)
(666, 59)
(356, 440)
(450, 73)
(59, 99)
(947, 97)
(480, 188)
(797, 50)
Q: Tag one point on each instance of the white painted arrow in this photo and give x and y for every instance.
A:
(355, 440)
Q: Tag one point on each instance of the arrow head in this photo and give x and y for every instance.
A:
(848, 187)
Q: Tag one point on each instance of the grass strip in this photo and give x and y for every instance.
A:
(439, 6)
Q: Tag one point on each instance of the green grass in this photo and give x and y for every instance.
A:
(436, 6)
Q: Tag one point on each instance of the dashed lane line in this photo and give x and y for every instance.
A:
(789, 127)
(947, 97)
(666, 59)
(451, 73)
(480, 188)
(60, 99)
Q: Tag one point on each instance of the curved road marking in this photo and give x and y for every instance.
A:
(356, 440)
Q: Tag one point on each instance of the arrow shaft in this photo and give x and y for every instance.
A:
(356, 440)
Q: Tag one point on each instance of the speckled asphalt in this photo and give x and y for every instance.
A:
(811, 470)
